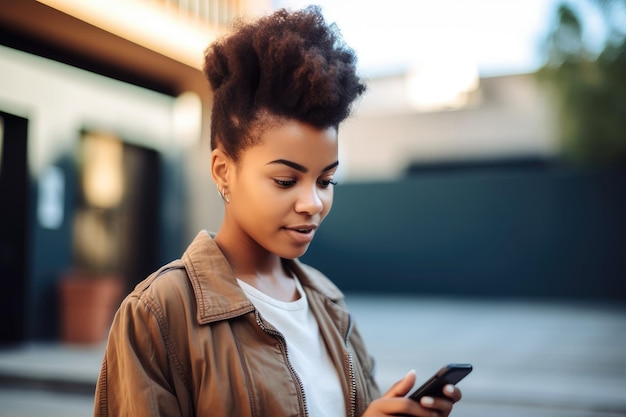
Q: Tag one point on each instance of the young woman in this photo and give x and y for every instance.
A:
(238, 326)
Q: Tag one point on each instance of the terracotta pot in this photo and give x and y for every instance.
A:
(87, 306)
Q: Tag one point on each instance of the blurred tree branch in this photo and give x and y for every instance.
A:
(589, 86)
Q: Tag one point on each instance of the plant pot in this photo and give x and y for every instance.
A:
(87, 306)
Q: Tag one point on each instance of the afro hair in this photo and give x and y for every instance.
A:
(288, 65)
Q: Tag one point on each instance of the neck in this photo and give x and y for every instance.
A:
(248, 258)
(278, 286)
(258, 268)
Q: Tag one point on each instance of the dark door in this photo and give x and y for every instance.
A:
(140, 236)
(13, 226)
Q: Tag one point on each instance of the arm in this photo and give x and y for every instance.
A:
(136, 378)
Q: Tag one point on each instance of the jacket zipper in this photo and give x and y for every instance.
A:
(349, 368)
(283, 343)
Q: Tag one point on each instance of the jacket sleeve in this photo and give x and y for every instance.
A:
(136, 377)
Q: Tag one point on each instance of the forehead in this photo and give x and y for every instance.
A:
(297, 141)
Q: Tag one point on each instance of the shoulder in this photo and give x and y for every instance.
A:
(171, 275)
(164, 292)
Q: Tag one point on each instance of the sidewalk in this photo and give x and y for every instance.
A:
(539, 358)
(545, 359)
(51, 366)
(48, 380)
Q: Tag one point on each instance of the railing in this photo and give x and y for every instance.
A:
(212, 12)
(180, 29)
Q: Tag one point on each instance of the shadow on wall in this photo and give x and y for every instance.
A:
(509, 230)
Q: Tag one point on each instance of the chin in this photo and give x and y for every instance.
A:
(293, 253)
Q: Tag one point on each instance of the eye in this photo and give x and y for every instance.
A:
(326, 183)
(284, 183)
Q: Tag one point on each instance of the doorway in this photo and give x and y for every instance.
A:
(14, 209)
(117, 218)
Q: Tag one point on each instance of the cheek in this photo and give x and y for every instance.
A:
(265, 199)
(252, 187)
(327, 201)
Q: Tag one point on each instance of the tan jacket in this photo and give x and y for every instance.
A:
(188, 342)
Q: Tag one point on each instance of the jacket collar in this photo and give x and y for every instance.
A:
(218, 295)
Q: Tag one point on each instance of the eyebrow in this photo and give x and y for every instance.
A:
(299, 167)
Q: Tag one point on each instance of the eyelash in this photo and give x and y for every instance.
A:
(289, 183)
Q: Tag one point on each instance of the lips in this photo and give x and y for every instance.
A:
(303, 228)
(301, 234)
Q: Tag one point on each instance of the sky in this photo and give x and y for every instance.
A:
(498, 37)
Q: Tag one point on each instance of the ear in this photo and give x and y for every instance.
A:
(221, 164)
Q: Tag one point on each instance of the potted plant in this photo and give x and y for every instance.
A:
(90, 292)
(87, 305)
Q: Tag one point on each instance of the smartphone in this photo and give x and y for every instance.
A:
(449, 374)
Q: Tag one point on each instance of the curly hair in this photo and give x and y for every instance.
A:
(288, 65)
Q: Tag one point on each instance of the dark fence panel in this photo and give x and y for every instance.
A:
(518, 232)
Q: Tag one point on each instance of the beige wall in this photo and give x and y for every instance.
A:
(509, 116)
(60, 100)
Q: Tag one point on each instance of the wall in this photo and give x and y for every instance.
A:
(59, 101)
(506, 117)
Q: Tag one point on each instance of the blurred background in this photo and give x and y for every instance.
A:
(479, 215)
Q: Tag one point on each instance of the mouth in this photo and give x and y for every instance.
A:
(304, 229)
(301, 234)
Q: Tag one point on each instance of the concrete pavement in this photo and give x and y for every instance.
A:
(531, 358)
(549, 358)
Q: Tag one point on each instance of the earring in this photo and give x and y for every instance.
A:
(222, 194)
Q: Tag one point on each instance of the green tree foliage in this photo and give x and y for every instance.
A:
(589, 85)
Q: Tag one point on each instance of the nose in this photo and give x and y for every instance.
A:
(309, 201)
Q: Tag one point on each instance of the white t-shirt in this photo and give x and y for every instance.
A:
(305, 348)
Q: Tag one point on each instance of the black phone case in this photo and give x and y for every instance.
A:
(450, 374)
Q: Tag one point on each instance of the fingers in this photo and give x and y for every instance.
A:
(442, 405)
(402, 387)
(394, 401)
(452, 392)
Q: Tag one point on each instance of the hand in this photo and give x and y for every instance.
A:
(394, 402)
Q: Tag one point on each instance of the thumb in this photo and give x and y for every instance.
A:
(402, 387)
